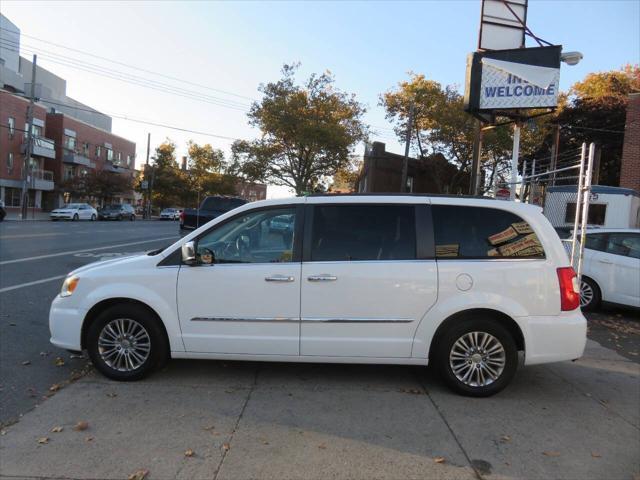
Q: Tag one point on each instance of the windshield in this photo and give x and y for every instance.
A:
(72, 205)
(113, 207)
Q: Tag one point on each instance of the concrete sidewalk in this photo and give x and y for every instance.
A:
(276, 421)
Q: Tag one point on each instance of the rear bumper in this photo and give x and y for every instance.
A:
(554, 338)
(65, 324)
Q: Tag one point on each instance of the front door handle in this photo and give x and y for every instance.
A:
(279, 278)
(607, 262)
(322, 278)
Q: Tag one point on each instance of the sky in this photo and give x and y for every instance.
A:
(232, 47)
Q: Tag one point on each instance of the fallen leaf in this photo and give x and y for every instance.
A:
(226, 447)
(54, 388)
(59, 362)
(139, 475)
(81, 425)
(264, 442)
(26, 362)
(322, 446)
(505, 438)
(595, 455)
(43, 440)
(439, 460)
(209, 428)
(88, 439)
(551, 454)
(112, 395)
(3, 432)
(44, 354)
(57, 429)
(188, 453)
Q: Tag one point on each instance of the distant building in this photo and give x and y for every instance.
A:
(382, 173)
(70, 138)
(251, 192)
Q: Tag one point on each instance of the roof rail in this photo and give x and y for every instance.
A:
(396, 194)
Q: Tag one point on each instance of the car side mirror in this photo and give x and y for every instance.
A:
(188, 250)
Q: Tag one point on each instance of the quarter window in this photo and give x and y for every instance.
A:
(263, 236)
(477, 232)
(363, 232)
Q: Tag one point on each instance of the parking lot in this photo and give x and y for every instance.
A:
(215, 420)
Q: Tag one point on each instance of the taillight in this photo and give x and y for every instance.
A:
(569, 289)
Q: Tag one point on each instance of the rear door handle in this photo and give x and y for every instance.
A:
(605, 261)
(322, 278)
(279, 278)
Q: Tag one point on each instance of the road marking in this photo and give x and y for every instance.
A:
(61, 254)
(28, 284)
(31, 235)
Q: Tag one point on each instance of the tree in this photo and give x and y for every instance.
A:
(104, 185)
(207, 174)
(308, 132)
(165, 177)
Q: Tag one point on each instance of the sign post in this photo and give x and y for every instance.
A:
(514, 160)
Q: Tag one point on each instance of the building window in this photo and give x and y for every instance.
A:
(12, 126)
(68, 172)
(109, 155)
(98, 151)
(36, 130)
(12, 197)
(70, 142)
(85, 148)
(129, 161)
(118, 158)
(597, 213)
(10, 163)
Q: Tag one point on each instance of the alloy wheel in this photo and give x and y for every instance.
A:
(124, 344)
(586, 294)
(477, 359)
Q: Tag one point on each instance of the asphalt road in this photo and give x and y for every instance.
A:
(34, 258)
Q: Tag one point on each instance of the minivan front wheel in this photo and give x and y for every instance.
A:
(126, 343)
(477, 357)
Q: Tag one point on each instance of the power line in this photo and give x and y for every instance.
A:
(83, 52)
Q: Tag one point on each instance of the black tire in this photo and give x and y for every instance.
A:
(589, 286)
(483, 324)
(159, 347)
(119, 218)
(76, 218)
(93, 217)
(132, 218)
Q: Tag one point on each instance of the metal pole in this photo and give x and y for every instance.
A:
(475, 163)
(524, 177)
(585, 207)
(533, 187)
(574, 235)
(29, 147)
(405, 161)
(146, 169)
(554, 153)
(514, 160)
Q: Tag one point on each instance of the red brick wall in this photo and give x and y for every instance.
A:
(630, 169)
(16, 107)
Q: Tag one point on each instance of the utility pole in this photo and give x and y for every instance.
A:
(26, 164)
(554, 153)
(475, 163)
(146, 172)
(514, 159)
(405, 162)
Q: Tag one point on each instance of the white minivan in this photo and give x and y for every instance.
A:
(462, 283)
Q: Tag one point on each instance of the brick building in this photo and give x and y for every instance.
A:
(13, 127)
(382, 173)
(630, 167)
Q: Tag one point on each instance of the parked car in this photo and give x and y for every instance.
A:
(170, 214)
(210, 208)
(464, 284)
(118, 211)
(3, 212)
(74, 211)
(611, 267)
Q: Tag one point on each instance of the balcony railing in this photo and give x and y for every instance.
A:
(44, 147)
(76, 158)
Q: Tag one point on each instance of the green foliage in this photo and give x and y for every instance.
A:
(307, 132)
(100, 185)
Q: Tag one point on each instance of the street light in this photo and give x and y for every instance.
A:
(571, 58)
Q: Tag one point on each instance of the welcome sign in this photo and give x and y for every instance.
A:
(499, 81)
(516, 85)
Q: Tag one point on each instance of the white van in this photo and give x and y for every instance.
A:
(396, 279)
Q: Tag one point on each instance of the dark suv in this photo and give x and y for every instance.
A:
(117, 211)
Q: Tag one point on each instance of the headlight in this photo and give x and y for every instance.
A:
(69, 286)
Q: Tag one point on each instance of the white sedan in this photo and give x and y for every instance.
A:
(170, 214)
(74, 211)
(611, 267)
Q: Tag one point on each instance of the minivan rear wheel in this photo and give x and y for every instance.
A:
(126, 343)
(477, 357)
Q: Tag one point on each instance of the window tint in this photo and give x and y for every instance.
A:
(627, 244)
(251, 238)
(476, 232)
(363, 232)
(596, 241)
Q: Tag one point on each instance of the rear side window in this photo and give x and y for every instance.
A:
(478, 232)
(596, 241)
(363, 232)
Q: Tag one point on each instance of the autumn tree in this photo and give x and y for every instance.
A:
(104, 185)
(164, 176)
(207, 173)
(308, 131)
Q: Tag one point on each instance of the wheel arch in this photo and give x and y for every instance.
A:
(101, 306)
(502, 318)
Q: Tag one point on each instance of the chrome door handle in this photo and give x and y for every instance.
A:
(322, 278)
(279, 278)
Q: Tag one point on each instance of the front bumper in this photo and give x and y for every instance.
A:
(554, 338)
(65, 324)
(61, 216)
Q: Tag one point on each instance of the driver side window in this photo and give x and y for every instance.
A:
(263, 236)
